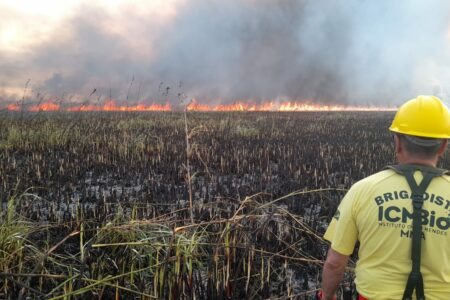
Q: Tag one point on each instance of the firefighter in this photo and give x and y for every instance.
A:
(400, 215)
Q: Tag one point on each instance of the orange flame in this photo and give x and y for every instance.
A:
(283, 106)
(194, 105)
(13, 107)
(296, 106)
(236, 106)
(112, 106)
(48, 106)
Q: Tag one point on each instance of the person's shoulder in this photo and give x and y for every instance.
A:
(375, 178)
(446, 177)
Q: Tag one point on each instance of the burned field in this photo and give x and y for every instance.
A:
(111, 205)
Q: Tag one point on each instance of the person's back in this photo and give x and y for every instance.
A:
(381, 211)
(382, 217)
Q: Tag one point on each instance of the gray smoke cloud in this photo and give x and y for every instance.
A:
(344, 51)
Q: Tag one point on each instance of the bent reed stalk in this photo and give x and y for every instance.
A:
(153, 259)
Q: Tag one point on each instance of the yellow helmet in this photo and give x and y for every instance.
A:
(424, 116)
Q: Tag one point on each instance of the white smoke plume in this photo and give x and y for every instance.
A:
(342, 52)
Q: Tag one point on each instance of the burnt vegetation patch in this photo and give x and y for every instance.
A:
(98, 204)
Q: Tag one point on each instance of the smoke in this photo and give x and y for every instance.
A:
(343, 51)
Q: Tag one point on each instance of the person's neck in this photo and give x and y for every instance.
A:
(419, 161)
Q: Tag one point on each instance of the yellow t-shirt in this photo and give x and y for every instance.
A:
(377, 211)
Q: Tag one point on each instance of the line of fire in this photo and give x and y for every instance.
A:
(193, 105)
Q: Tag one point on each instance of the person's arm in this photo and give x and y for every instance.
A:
(333, 271)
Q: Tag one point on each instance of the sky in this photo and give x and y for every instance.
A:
(324, 51)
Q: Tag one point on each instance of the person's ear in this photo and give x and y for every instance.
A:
(398, 144)
(442, 148)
